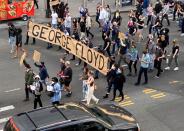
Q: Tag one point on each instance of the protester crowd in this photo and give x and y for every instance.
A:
(121, 52)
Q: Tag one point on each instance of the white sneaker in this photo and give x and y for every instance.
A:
(84, 100)
(97, 101)
(182, 34)
(176, 68)
(167, 68)
(77, 64)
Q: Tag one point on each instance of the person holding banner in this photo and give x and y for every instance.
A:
(67, 76)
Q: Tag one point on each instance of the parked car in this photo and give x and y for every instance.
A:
(74, 116)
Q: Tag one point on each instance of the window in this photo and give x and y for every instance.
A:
(67, 128)
(93, 126)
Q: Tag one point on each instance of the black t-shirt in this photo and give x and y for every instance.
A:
(123, 50)
(174, 48)
(107, 41)
(141, 22)
(68, 72)
(82, 26)
(132, 29)
(158, 52)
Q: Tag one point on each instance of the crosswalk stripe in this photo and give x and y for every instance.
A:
(11, 107)
(145, 90)
(149, 92)
(159, 94)
(157, 97)
(128, 104)
(3, 120)
(119, 98)
(125, 102)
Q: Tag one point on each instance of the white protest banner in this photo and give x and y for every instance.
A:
(54, 36)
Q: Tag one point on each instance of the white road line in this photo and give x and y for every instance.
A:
(3, 120)
(12, 90)
(11, 107)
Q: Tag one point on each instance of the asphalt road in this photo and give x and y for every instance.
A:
(157, 106)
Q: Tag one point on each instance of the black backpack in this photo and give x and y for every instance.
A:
(41, 87)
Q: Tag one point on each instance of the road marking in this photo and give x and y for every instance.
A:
(157, 97)
(3, 120)
(127, 104)
(12, 90)
(149, 92)
(119, 98)
(11, 107)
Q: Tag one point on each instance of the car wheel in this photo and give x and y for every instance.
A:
(24, 17)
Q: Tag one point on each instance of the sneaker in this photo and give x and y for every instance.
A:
(97, 101)
(176, 68)
(182, 34)
(106, 96)
(167, 68)
(77, 64)
(136, 84)
(156, 77)
(83, 100)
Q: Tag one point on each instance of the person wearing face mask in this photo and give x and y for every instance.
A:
(37, 91)
(133, 52)
(56, 91)
(110, 79)
(145, 59)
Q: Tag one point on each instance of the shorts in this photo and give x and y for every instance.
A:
(67, 82)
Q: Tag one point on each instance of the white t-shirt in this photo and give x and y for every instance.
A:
(54, 18)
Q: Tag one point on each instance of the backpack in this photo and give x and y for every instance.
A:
(41, 87)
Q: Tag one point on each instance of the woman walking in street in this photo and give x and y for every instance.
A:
(91, 88)
(118, 83)
(37, 92)
(56, 91)
(88, 26)
(84, 77)
(133, 52)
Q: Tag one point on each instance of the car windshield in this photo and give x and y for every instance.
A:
(101, 115)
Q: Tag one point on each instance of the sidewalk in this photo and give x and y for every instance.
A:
(74, 11)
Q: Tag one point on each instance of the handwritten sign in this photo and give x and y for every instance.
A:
(36, 56)
(54, 36)
(22, 58)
